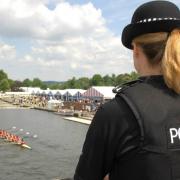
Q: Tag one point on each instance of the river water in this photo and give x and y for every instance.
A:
(54, 153)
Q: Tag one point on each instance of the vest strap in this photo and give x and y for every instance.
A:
(136, 114)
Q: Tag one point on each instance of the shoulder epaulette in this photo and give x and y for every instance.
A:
(122, 87)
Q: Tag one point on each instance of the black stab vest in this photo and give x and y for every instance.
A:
(157, 111)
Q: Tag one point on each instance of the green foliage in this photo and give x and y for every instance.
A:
(113, 77)
(109, 80)
(27, 83)
(15, 86)
(4, 82)
(123, 78)
(11, 82)
(134, 75)
(4, 85)
(3, 75)
(54, 86)
(43, 86)
(97, 80)
(71, 83)
(81, 83)
(37, 82)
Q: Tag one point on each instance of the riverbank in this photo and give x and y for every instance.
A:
(76, 116)
(7, 105)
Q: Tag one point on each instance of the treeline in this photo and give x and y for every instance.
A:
(7, 84)
(97, 80)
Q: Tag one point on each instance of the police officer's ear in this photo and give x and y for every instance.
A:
(136, 49)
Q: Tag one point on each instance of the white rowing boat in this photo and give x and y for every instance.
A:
(14, 143)
(6, 142)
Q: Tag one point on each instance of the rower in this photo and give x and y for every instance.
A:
(1, 133)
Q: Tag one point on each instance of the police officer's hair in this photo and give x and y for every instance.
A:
(163, 48)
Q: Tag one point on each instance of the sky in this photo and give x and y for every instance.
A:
(60, 39)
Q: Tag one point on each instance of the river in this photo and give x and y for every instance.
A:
(54, 153)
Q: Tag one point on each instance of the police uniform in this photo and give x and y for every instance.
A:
(134, 136)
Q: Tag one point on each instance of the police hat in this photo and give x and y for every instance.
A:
(151, 17)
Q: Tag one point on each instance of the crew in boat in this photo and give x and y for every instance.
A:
(1, 133)
(20, 141)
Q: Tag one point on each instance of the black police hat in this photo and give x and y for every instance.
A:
(151, 17)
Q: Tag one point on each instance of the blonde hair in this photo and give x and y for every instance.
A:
(163, 48)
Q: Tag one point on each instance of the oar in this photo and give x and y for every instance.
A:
(14, 129)
(11, 129)
(28, 135)
(7, 143)
(20, 132)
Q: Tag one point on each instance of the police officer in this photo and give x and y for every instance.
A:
(136, 136)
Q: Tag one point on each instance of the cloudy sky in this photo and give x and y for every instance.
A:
(59, 39)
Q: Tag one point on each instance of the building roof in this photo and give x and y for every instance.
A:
(30, 89)
(100, 91)
(18, 93)
(94, 91)
(73, 92)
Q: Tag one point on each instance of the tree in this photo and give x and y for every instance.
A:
(119, 80)
(36, 82)
(113, 78)
(71, 83)
(43, 86)
(3, 75)
(4, 85)
(97, 80)
(84, 83)
(27, 83)
(124, 78)
(134, 75)
(15, 86)
(11, 82)
(54, 86)
(107, 80)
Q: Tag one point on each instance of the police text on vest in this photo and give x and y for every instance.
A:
(174, 133)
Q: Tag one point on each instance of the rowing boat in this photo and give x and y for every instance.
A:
(13, 139)
(14, 143)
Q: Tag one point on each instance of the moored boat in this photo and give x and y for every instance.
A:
(65, 112)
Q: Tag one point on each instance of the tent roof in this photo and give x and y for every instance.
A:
(101, 91)
(75, 91)
(30, 89)
(106, 91)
